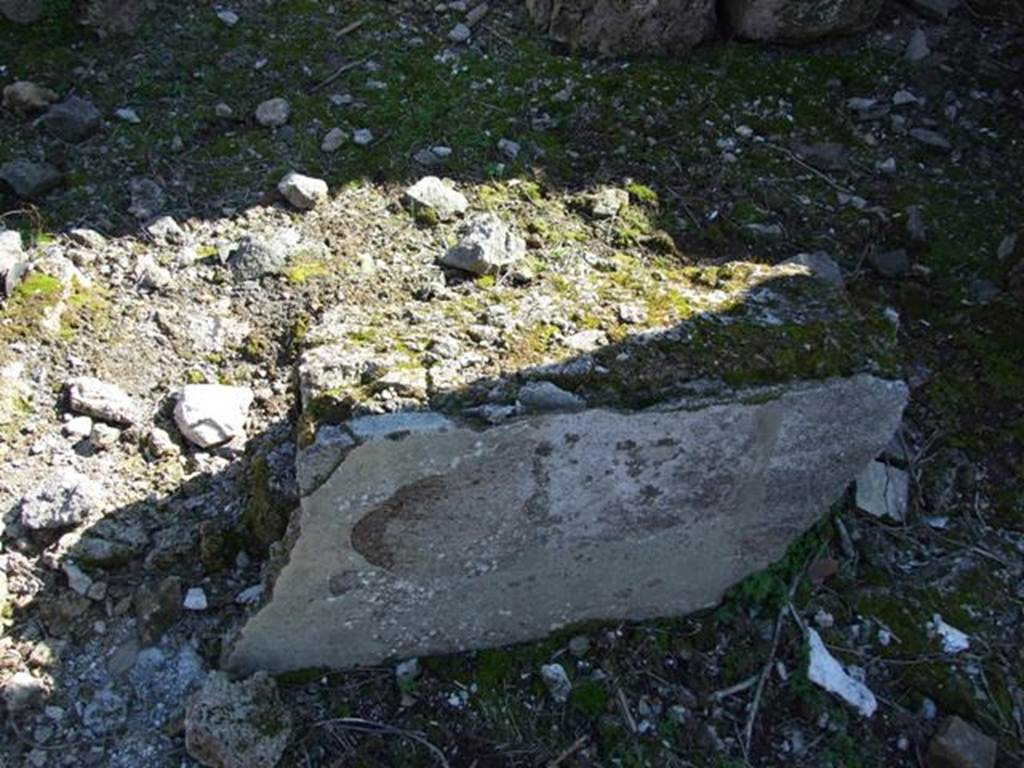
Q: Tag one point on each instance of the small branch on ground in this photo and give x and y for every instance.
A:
(569, 751)
(368, 726)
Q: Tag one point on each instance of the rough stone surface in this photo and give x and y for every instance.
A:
(257, 256)
(73, 120)
(22, 11)
(433, 194)
(63, 499)
(799, 20)
(12, 261)
(822, 266)
(29, 180)
(211, 414)
(304, 192)
(237, 725)
(617, 27)
(102, 400)
(25, 96)
(273, 113)
(487, 245)
(23, 690)
(958, 744)
(445, 540)
(882, 491)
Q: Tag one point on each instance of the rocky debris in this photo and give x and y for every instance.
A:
(22, 11)
(157, 608)
(824, 670)
(127, 115)
(432, 156)
(237, 725)
(882, 491)
(273, 113)
(890, 264)
(545, 397)
(29, 180)
(430, 193)
(304, 192)
(509, 148)
(953, 640)
(931, 138)
(256, 255)
(958, 744)
(195, 600)
(608, 202)
(147, 198)
(460, 33)
(26, 96)
(73, 120)
(362, 136)
(165, 230)
(13, 261)
(917, 47)
(229, 18)
(798, 20)
(212, 414)
(23, 690)
(102, 400)
(64, 498)
(486, 246)
(623, 28)
(820, 265)
(557, 682)
(87, 238)
(106, 713)
(334, 140)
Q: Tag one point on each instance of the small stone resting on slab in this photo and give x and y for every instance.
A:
(500, 462)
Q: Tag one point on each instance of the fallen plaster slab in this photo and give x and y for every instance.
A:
(451, 538)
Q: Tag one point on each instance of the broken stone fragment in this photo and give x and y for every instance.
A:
(820, 265)
(273, 113)
(256, 255)
(102, 400)
(12, 261)
(608, 202)
(304, 192)
(65, 498)
(73, 120)
(237, 725)
(211, 414)
(958, 744)
(25, 96)
(882, 491)
(29, 180)
(648, 27)
(432, 194)
(554, 518)
(23, 690)
(799, 20)
(487, 245)
(22, 11)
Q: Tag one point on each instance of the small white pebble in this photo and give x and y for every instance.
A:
(228, 17)
(195, 600)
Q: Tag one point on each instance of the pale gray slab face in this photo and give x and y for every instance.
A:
(457, 539)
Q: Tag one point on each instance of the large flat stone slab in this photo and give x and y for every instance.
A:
(433, 536)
